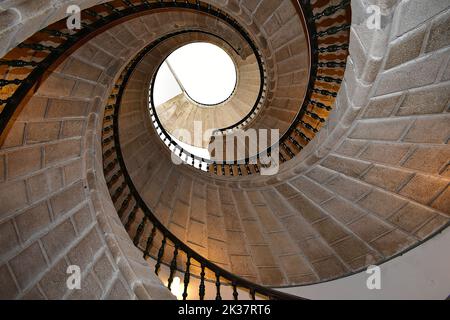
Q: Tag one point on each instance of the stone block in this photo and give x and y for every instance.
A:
(118, 291)
(53, 283)
(382, 203)
(411, 216)
(217, 251)
(58, 108)
(330, 230)
(197, 233)
(282, 243)
(404, 77)
(350, 148)
(262, 256)
(342, 210)
(442, 202)
(104, 269)
(382, 107)
(8, 289)
(350, 249)
(33, 221)
(57, 86)
(90, 289)
(59, 239)
(67, 199)
(72, 128)
(385, 177)
(392, 242)
(84, 252)
(349, 167)
(429, 130)
(13, 196)
(42, 131)
(9, 240)
(270, 276)
(405, 48)
(428, 159)
(385, 152)
(82, 219)
(415, 12)
(423, 188)
(294, 265)
(242, 265)
(62, 151)
(426, 100)
(24, 161)
(368, 228)
(348, 188)
(330, 267)
(180, 214)
(310, 211)
(28, 265)
(386, 129)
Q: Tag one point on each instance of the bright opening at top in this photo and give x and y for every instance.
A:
(205, 72)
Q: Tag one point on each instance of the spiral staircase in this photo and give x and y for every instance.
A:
(87, 175)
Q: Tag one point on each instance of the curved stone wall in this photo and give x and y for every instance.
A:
(373, 183)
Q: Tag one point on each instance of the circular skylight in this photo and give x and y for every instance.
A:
(203, 71)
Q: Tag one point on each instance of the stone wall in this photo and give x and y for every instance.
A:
(372, 184)
(56, 209)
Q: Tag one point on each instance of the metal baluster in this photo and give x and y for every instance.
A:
(201, 291)
(139, 231)
(320, 105)
(315, 116)
(160, 254)
(325, 92)
(132, 215)
(124, 206)
(333, 48)
(329, 79)
(252, 294)
(230, 166)
(110, 166)
(149, 242)
(114, 178)
(218, 297)
(332, 64)
(173, 267)
(332, 30)
(235, 292)
(239, 169)
(8, 82)
(37, 47)
(187, 276)
(248, 169)
(119, 192)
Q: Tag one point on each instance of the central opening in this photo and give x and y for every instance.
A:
(204, 72)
